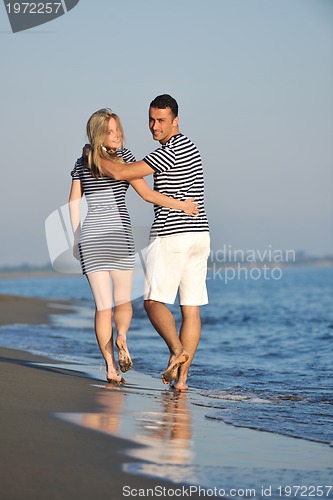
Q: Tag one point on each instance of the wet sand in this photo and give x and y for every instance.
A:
(45, 457)
(42, 456)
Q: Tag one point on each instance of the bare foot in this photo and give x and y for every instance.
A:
(171, 372)
(179, 386)
(113, 376)
(124, 357)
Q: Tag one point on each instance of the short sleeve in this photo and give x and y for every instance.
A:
(128, 156)
(161, 160)
(75, 173)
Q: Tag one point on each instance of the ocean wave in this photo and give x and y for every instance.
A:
(229, 395)
(294, 431)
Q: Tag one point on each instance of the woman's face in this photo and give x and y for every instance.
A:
(113, 138)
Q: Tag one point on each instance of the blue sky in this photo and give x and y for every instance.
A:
(253, 79)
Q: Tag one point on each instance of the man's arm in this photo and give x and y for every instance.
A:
(126, 171)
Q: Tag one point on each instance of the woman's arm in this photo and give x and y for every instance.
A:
(74, 213)
(151, 196)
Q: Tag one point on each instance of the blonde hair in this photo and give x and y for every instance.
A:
(97, 128)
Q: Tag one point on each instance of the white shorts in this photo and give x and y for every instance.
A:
(175, 264)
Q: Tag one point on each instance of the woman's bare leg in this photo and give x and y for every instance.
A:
(101, 288)
(122, 287)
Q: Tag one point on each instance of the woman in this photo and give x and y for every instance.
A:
(105, 244)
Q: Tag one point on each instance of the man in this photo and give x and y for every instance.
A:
(179, 246)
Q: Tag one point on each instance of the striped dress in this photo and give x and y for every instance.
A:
(106, 240)
(178, 173)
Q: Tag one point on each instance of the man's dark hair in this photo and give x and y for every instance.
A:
(165, 101)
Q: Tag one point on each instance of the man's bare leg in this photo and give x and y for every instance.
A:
(189, 336)
(164, 323)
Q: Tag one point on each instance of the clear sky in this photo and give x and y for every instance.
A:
(253, 79)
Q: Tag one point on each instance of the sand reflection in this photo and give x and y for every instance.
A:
(167, 430)
(107, 421)
(160, 421)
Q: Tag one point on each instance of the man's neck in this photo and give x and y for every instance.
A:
(168, 139)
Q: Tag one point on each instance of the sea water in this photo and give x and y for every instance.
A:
(265, 356)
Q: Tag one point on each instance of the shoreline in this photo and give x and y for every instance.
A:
(68, 434)
(42, 455)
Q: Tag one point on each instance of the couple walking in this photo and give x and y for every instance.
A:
(176, 261)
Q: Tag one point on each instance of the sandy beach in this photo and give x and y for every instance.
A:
(42, 456)
(17, 309)
(67, 434)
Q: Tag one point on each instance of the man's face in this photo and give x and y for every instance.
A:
(162, 124)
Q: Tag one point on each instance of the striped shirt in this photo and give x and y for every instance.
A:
(178, 173)
(106, 240)
(104, 189)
